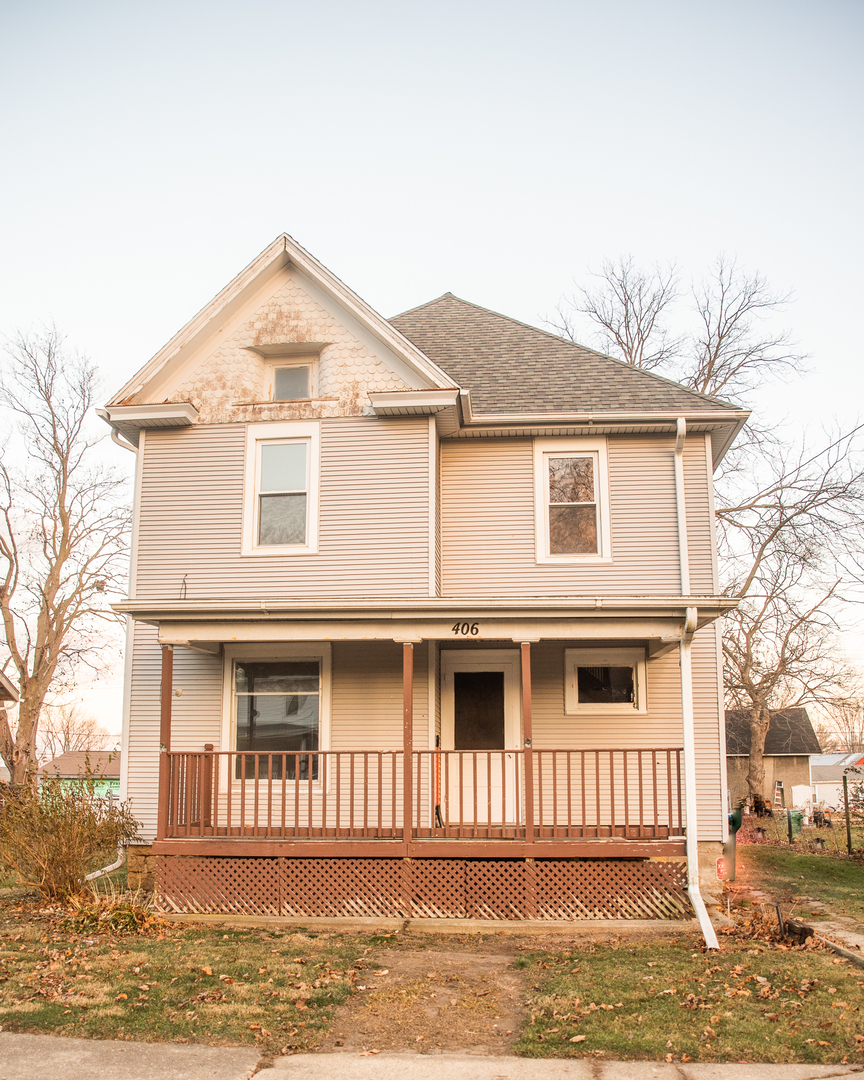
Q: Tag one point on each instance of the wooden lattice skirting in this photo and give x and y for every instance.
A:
(424, 888)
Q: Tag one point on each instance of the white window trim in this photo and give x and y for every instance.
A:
(280, 432)
(576, 658)
(273, 362)
(573, 447)
(319, 650)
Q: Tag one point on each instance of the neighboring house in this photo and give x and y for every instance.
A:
(102, 765)
(8, 698)
(432, 603)
(788, 745)
(826, 776)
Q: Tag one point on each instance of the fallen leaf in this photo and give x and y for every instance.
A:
(207, 970)
(122, 997)
(383, 971)
(368, 1053)
(579, 1038)
(226, 979)
(254, 1027)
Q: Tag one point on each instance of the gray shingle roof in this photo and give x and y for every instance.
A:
(789, 732)
(511, 367)
(74, 763)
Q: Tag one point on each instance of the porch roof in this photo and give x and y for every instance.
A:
(660, 620)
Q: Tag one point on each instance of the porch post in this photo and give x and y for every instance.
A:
(527, 734)
(407, 737)
(167, 691)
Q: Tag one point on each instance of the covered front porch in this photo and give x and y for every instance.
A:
(537, 803)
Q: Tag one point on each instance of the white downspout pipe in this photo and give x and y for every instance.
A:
(690, 624)
(692, 834)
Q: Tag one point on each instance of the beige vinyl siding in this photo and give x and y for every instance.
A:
(196, 715)
(487, 514)
(143, 742)
(374, 516)
(699, 523)
(707, 705)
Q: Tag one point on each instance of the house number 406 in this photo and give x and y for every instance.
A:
(465, 629)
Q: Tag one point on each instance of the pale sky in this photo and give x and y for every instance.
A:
(496, 150)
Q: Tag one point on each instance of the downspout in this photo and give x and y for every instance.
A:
(690, 624)
(108, 869)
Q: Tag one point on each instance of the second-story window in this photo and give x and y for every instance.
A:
(571, 500)
(282, 488)
(572, 504)
(280, 513)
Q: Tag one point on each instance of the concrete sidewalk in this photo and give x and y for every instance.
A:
(28, 1057)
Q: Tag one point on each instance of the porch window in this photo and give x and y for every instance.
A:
(281, 489)
(604, 681)
(277, 711)
(571, 500)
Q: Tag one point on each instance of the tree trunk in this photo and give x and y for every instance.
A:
(19, 754)
(759, 720)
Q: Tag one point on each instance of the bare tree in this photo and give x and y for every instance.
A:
(63, 529)
(843, 726)
(731, 354)
(67, 727)
(629, 309)
(791, 521)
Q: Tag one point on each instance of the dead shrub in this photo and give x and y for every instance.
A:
(52, 835)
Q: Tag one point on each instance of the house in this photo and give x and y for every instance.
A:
(826, 777)
(73, 765)
(422, 613)
(788, 745)
(8, 699)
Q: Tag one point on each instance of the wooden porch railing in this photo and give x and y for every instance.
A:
(456, 794)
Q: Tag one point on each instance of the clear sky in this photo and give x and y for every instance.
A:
(493, 149)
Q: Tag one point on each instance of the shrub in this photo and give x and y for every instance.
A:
(53, 835)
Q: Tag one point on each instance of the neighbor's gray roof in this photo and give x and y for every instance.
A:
(74, 763)
(789, 732)
(829, 768)
(511, 367)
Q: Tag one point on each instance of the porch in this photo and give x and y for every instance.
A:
(509, 803)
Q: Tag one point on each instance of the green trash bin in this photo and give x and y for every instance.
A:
(797, 821)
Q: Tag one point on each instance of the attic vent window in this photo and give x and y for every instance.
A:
(292, 383)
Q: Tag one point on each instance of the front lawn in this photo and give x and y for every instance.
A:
(672, 1001)
(181, 983)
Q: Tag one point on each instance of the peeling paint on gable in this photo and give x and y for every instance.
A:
(230, 383)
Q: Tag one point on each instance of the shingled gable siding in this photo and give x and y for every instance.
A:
(487, 509)
(374, 516)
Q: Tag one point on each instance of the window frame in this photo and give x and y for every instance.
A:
(280, 432)
(273, 652)
(605, 657)
(274, 362)
(571, 447)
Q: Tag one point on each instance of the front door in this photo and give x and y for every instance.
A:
(480, 729)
